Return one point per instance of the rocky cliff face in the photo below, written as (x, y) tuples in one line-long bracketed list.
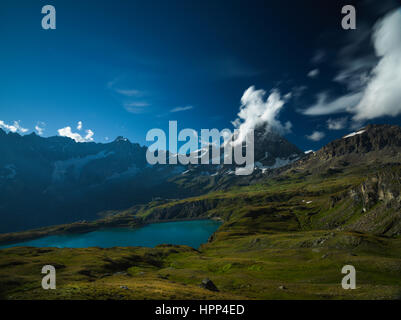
[(369, 139), (384, 187), (379, 199), (372, 145)]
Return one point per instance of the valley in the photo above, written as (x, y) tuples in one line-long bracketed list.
[(286, 234)]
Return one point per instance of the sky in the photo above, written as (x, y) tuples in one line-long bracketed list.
[(122, 68)]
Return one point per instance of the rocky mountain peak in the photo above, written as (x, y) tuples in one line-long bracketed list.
[(273, 150), (121, 139)]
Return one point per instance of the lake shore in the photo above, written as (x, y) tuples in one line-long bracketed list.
[(81, 227)]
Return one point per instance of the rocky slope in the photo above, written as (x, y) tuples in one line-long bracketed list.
[(353, 183), (373, 144)]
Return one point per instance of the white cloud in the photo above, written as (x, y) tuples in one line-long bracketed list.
[(288, 96), (15, 127), (255, 111), (136, 104), (39, 128), (89, 135), (19, 128), (179, 109), (355, 74), (129, 92), (7, 127), (136, 107), (79, 125), (313, 73), (316, 136), (337, 124), (66, 132), (382, 95), (325, 106), (375, 94), (125, 92)]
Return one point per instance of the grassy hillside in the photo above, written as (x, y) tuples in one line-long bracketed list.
[(285, 265), (286, 237)]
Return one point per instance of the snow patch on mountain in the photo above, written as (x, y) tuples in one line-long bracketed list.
[(62, 167), (353, 134), (279, 162)]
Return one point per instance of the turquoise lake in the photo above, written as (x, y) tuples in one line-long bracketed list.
[(191, 233)]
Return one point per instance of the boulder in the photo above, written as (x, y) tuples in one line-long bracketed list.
[(209, 285)]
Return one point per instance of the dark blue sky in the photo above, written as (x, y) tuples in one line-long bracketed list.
[(125, 67)]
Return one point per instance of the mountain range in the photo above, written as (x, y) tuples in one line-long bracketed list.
[(62, 181)]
